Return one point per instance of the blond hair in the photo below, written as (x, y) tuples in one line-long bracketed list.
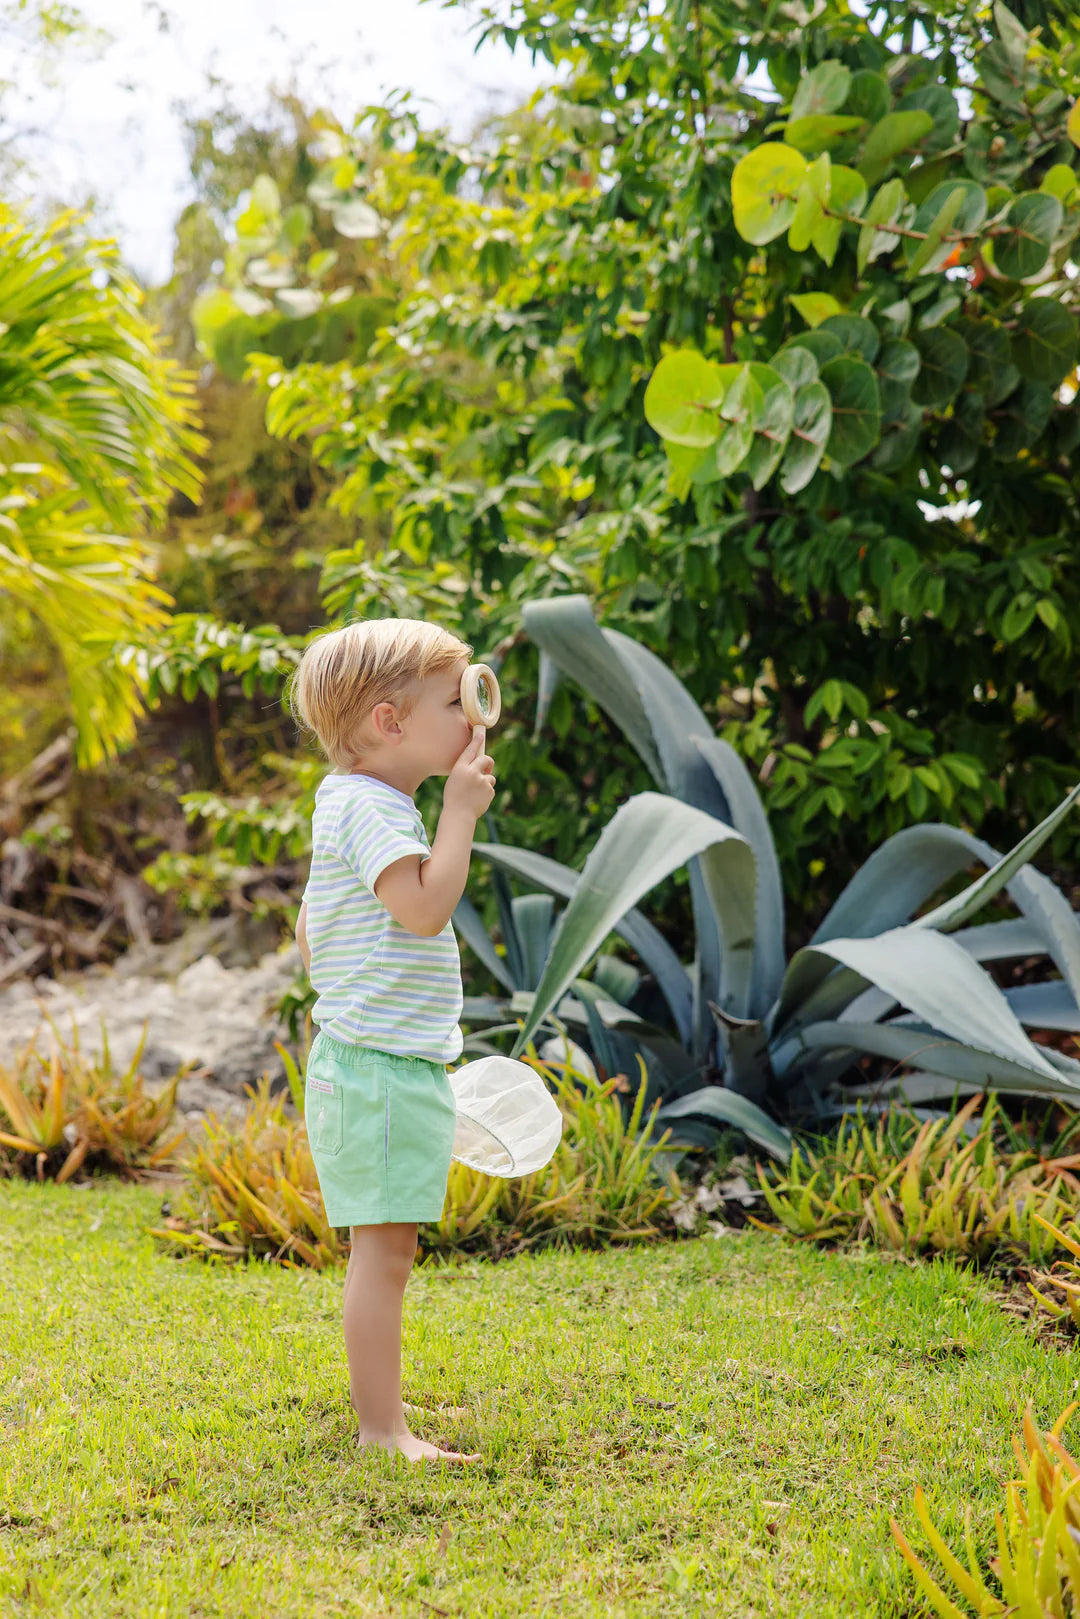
[(344, 674)]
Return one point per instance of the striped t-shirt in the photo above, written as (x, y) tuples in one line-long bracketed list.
[(378, 984)]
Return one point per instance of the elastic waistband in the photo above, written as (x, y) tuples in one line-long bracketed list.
[(355, 1056)]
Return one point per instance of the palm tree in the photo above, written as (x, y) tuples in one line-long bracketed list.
[(96, 432)]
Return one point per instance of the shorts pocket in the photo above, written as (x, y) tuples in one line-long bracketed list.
[(323, 1113)]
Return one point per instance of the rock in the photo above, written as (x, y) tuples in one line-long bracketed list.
[(220, 1018), (235, 940)]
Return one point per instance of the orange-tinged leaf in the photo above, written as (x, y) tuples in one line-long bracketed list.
[(18, 1142), (73, 1161), (939, 1601), (971, 1587), (1067, 1242)]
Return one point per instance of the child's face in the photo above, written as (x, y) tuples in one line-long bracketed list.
[(436, 731)]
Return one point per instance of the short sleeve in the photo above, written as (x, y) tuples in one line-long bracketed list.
[(369, 839)]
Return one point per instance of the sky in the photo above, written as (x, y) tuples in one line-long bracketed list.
[(110, 125)]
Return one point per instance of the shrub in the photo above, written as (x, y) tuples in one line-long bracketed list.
[(252, 1192), (751, 1037), (1063, 1277), (600, 1187), (65, 1112), (919, 1186)]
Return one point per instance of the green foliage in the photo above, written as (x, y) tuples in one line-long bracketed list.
[(284, 292), (908, 233), (254, 829), (95, 435), (195, 652), (925, 1186), (251, 1190), (860, 365), (1058, 1292)]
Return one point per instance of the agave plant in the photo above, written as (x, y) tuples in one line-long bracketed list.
[(771, 1038), (596, 1008)]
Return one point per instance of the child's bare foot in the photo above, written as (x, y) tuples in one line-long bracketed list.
[(416, 1450)]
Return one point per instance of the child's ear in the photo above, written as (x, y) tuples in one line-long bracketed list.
[(385, 722)]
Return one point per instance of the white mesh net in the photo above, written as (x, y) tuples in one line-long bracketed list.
[(508, 1122)]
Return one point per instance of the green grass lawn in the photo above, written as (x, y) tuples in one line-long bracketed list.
[(718, 1427)]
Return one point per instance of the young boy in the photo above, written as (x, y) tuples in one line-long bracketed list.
[(375, 934)]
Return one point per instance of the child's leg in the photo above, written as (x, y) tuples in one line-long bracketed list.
[(379, 1267)]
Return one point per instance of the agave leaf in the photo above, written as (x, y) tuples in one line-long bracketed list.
[(846, 995), (870, 1006), (914, 1086), (467, 921), (658, 715), (748, 817), (613, 1053), (647, 839), (881, 1104), (1045, 1006), (617, 1016), (476, 1008), (937, 1054), (637, 930), (678, 727), (814, 990), (564, 628), (677, 722), (1044, 906), (504, 901), (909, 867), (546, 687), (674, 1064), (998, 941), (939, 982), (533, 921), (617, 978), (897, 878), (1067, 1066), (716, 1102)]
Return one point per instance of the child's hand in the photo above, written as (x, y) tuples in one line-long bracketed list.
[(470, 786)]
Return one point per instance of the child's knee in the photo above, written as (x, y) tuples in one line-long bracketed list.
[(390, 1249)]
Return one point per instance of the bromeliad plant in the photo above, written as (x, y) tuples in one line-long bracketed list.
[(1037, 1567), (927, 1186), (251, 1192), (604, 1185), (67, 1113), (772, 1038)]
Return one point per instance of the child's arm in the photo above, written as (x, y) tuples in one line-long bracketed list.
[(301, 937), (421, 894)]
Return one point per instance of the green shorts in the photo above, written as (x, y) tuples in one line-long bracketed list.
[(381, 1130)]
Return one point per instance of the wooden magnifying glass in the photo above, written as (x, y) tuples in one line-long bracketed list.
[(481, 700)]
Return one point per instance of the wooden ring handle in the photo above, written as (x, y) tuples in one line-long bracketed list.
[(481, 700)]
